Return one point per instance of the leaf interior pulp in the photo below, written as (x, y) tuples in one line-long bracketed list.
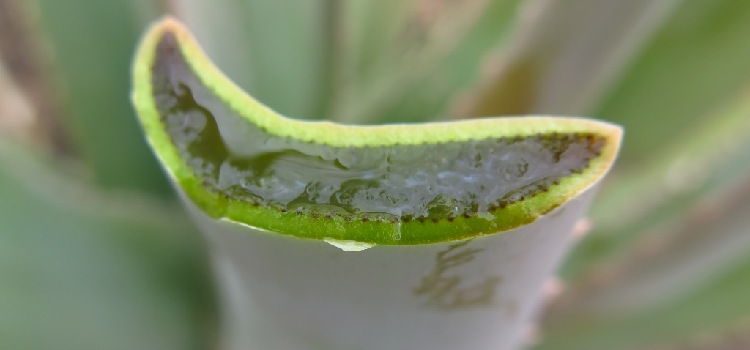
[(399, 184)]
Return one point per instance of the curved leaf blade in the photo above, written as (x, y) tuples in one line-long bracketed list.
[(198, 122)]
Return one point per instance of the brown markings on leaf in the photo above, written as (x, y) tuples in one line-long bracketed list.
[(446, 290)]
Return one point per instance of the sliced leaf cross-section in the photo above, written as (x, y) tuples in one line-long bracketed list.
[(390, 184)]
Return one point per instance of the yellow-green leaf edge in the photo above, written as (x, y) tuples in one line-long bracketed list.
[(372, 232)]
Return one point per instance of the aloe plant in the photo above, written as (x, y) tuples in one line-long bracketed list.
[(95, 253)]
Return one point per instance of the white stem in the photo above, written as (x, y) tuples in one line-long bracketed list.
[(281, 292)]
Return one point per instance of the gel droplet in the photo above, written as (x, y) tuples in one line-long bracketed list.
[(348, 245)]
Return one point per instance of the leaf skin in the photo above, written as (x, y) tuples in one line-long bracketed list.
[(226, 207)]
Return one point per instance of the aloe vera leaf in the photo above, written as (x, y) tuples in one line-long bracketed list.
[(92, 57), (692, 167), (285, 63), (222, 27), (436, 53), (563, 56), (683, 254), (373, 34), (16, 113), (31, 107), (717, 309), (195, 117), (670, 40), (684, 236), (87, 271), (687, 70), (284, 292), (175, 83)]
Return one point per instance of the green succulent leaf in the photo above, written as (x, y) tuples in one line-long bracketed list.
[(559, 61), (688, 68), (702, 317), (407, 60), (397, 184), (82, 270), (668, 271), (96, 112)]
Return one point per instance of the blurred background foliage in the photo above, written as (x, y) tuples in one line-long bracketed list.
[(95, 253)]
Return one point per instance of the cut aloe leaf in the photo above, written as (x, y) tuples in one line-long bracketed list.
[(398, 184), (327, 236)]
